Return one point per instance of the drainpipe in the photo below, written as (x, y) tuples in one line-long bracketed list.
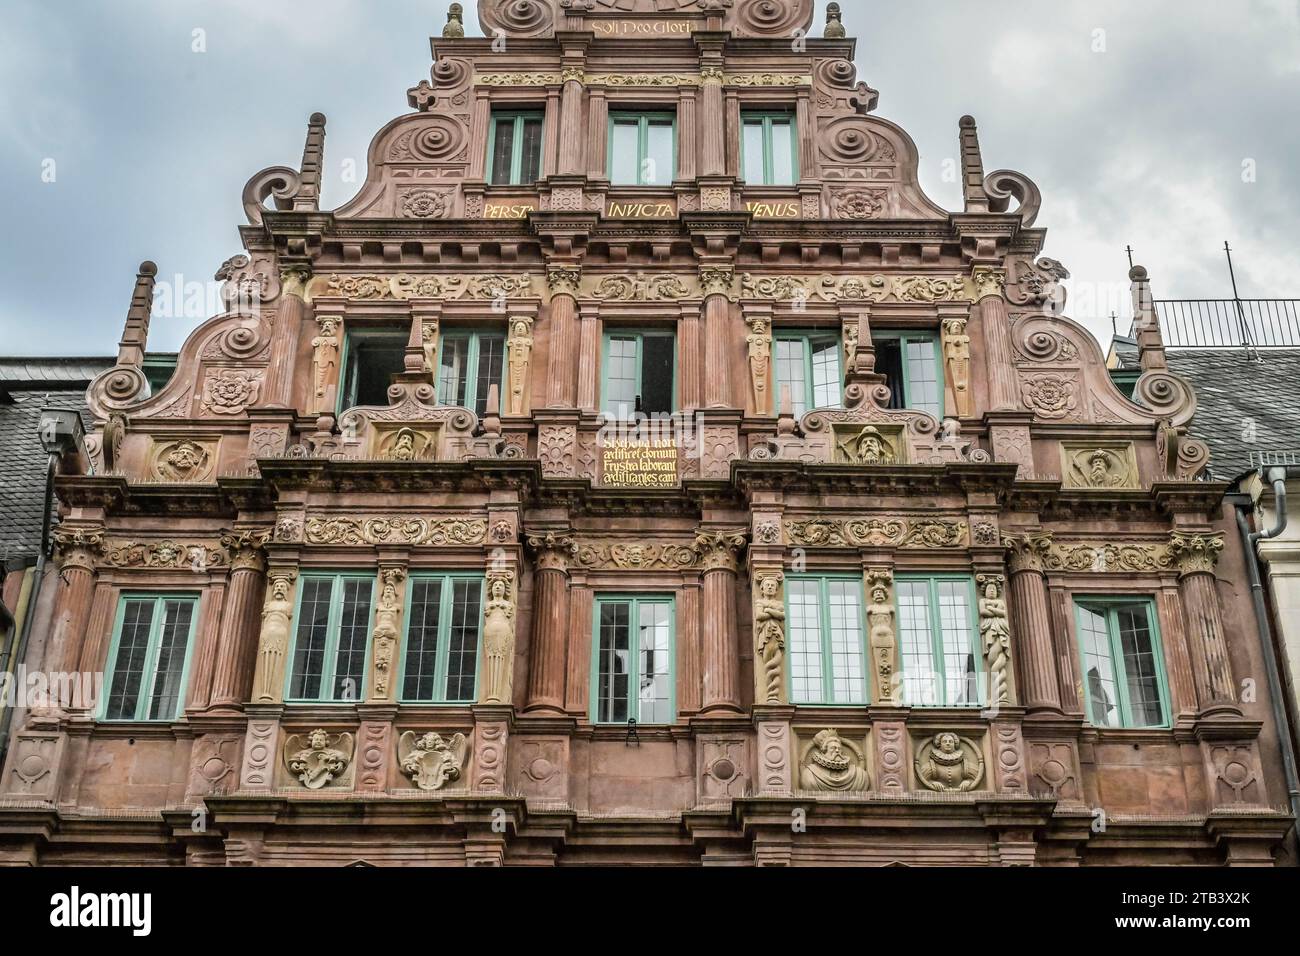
[(1249, 539), (30, 615)]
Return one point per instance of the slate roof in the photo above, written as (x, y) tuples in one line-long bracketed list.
[(1244, 405), (27, 386)]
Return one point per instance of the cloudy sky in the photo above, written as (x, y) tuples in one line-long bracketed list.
[(1170, 125)]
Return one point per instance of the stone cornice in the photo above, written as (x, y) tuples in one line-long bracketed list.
[(751, 476), (322, 474)]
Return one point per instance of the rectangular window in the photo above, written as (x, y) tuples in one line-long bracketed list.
[(515, 148), (910, 363), (370, 359), (444, 618), (808, 363), (768, 150), (469, 363), (632, 667), (149, 657), (827, 652), (639, 373), (331, 638), (938, 636), (1123, 668), (642, 149)]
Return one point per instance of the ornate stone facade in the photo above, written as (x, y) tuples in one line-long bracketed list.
[(440, 599)]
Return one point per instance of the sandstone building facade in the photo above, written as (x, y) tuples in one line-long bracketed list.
[(640, 468)]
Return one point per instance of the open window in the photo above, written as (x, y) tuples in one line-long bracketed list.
[(371, 358), (912, 369), (639, 373)]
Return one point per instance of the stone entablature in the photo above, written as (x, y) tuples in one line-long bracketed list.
[(1031, 479)]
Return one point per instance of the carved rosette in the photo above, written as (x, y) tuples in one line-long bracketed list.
[(1027, 552), (78, 547), (769, 636), (1195, 553), (563, 280), (553, 551), (995, 633), (989, 282), (719, 550)]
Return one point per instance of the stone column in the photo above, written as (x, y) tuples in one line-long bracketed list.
[(1196, 555), (75, 551), (989, 286), (721, 659), (563, 281), (547, 658), (275, 637), (588, 358), (236, 646), (597, 131), (688, 125), (713, 116), (717, 282), (284, 337), (1033, 630), (571, 143)]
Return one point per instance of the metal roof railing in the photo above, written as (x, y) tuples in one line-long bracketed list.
[(1229, 323)]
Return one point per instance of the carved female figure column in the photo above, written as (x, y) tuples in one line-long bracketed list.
[(956, 357), (235, 650), (995, 635), (325, 366), (769, 636), (498, 638), (519, 347), (881, 636), (273, 642), (760, 362), (1196, 556), (547, 658), (1033, 623), (387, 634), (719, 551)]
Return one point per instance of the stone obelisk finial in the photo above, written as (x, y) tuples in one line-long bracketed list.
[(834, 23), (135, 334), (1151, 344), (972, 168), (455, 21), (313, 161)]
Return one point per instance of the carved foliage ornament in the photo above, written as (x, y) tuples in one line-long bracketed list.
[(402, 286), (318, 758), (877, 532), (396, 530), (858, 288)]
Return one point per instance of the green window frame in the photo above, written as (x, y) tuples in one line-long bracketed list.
[(390, 339), (444, 610), (525, 147), (769, 162), (616, 376), (331, 646), (148, 673), (1135, 692), (459, 352), (816, 381), (827, 660), (618, 673), (921, 363), (645, 122), (940, 658)]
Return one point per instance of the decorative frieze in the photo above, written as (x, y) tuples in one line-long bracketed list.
[(877, 287), (921, 533), (638, 557), (659, 287), (397, 529), (165, 554), (446, 286), (430, 760), (707, 75)]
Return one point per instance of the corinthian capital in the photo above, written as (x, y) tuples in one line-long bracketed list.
[(247, 548), (989, 281), (563, 280), (553, 551), (1195, 553), (78, 547), (717, 280), (719, 550), (1026, 552)]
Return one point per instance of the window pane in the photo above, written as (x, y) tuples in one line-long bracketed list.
[(804, 600), (826, 373), (753, 150), (790, 372), (614, 661), (848, 674), (1139, 665), (620, 377), (313, 631), (354, 628), (654, 705), (1098, 668), (491, 357), (889, 363), (452, 363), (626, 160), (463, 639), (923, 378), (920, 680), (165, 699), (961, 662), (503, 151), (657, 169), (422, 639), (782, 153), (531, 160), (656, 374), (132, 650)]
